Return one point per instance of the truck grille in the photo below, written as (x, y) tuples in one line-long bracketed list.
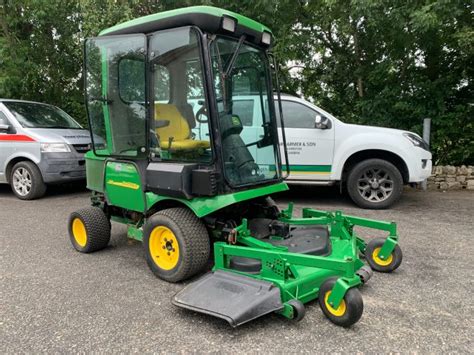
[(82, 148)]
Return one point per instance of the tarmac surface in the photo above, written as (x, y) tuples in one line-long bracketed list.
[(54, 299)]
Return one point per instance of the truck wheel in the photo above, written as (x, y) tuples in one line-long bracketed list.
[(26, 181), (176, 244), (374, 184), (89, 229)]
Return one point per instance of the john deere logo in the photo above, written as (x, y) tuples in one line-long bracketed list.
[(235, 121)]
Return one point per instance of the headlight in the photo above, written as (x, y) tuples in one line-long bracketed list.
[(228, 24), (417, 141), (54, 148), (266, 38)]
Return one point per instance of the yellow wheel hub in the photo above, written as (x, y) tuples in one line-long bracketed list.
[(381, 262), (164, 248), (79, 232), (339, 311)]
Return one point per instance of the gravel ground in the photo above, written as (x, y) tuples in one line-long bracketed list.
[(53, 299)]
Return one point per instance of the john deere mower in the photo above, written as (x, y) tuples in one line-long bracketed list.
[(177, 158)]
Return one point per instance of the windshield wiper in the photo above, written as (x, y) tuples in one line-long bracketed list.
[(230, 66)]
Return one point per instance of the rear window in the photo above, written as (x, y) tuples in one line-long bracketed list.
[(33, 115)]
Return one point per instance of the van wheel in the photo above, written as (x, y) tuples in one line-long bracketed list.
[(26, 181), (374, 184)]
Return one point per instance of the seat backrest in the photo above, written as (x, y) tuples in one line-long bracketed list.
[(178, 127)]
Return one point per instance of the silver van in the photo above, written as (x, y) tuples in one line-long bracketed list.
[(39, 145)]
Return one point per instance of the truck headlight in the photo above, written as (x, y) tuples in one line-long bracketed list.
[(55, 148), (417, 141)]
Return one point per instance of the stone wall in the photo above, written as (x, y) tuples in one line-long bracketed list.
[(452, 178)]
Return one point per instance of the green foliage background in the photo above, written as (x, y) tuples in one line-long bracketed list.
[(381, 62)]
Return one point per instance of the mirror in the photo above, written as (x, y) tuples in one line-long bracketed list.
[(4, 127), (321, 122)]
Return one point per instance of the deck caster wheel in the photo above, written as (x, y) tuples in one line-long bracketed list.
[(299, 310), (376, 263), (89, 229), (350, 309), (176, 244), (365, 273)]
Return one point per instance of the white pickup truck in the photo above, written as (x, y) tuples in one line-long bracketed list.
[(373, 163)]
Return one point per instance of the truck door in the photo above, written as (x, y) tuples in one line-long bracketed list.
[(310, 149)]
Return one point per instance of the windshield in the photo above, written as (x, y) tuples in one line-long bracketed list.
[(247, 129), (34, 115)]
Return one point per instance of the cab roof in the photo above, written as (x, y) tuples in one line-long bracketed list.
[(208, 18)]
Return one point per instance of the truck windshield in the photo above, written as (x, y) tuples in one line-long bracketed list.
[(249, 151), (35, 115)]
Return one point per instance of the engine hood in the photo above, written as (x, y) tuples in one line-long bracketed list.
[(355, 128), (60, 135)]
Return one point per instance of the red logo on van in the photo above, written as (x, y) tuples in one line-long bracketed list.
[(16, 138)]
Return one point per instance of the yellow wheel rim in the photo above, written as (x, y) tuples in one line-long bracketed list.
[(79, 232), (378, 261), (164, 248), (339, 311)]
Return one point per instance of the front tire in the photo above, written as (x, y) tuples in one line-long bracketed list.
[(26, 181), (377, 264), (350, 309), (374, 184), (176, 244)]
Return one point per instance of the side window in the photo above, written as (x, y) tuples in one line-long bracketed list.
[(297, 115), (131, 79), (244, 109), (162, 83)]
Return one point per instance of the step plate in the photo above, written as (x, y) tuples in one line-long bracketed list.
[(236, 298)]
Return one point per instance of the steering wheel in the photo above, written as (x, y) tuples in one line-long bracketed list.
[(202, 112)]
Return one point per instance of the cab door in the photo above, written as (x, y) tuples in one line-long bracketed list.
[(310, 147), (116, 105)]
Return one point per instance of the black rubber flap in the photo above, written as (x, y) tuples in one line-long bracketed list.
[(236, 298)]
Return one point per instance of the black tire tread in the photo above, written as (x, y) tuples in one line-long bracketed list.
[(354, 304), (97, 227), (190, 230), (396, 254)]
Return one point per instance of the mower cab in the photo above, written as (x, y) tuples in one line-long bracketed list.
[(175, 159)]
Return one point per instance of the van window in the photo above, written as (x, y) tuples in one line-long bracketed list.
[(297, 115), (244, 109)]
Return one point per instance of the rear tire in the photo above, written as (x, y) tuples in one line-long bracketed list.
[(391, 264), (89, 229), (176, 244), (26, 181), (374, 184)]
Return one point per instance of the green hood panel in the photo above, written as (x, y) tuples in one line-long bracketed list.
[(202, 206)]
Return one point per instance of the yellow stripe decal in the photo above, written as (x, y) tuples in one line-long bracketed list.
[(128, 185)]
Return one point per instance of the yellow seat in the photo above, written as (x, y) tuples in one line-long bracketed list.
[(178, 129)]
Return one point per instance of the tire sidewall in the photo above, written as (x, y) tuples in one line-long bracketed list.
[(162, 220), (352, 298), (37, 184), (396, 254), (357, 170)]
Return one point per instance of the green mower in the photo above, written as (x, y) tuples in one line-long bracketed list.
[(175, 159)]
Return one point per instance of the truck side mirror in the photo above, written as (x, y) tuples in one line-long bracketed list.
[(321, 122)]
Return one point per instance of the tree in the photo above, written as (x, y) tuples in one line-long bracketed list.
[(382, 62)]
